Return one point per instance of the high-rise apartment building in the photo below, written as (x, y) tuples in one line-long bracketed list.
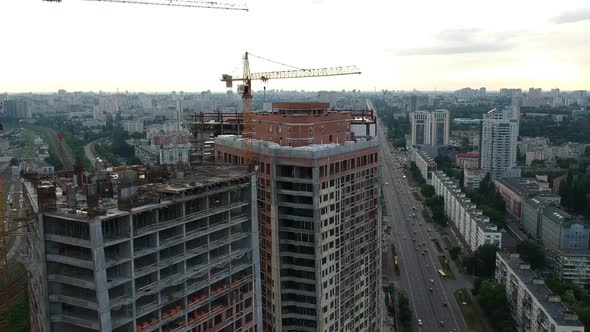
[(163, 252), (17, 109), (499, 136), (420, 127), (440, 127), (319, 216), (430, 128)]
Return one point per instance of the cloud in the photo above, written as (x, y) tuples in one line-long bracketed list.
[(462, 41), (458, 49), (572, 16)]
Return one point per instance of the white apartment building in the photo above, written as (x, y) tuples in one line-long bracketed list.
[(133, 126), (499, 135), (533, 305), (539, 148), (425, 164), (472, 178), (430, 128), (475, 228)]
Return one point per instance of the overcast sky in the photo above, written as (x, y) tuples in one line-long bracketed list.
[(410, 44)]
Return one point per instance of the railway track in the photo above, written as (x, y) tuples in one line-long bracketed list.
[(63, 152)]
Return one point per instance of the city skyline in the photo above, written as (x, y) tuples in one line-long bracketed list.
[(87, 46)]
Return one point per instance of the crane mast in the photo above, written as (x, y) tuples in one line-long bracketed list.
[(245, 89)]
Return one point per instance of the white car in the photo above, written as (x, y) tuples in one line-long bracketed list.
[(420, 322)]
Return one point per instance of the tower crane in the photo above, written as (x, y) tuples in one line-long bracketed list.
[(179, 3), (245, 89)]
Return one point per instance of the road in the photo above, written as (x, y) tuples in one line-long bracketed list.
[(418, 270), (92, 156)]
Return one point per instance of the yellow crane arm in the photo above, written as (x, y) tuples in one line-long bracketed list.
[(297, 73)]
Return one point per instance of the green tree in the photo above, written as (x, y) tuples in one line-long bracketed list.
[(454, 252), (532, 252), (427, 190), (492, 298), (436, 206), (483, 261), (405, 312)]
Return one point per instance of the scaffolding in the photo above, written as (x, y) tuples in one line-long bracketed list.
[(205, 127)]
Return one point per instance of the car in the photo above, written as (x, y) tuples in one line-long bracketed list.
[(420, 322), (430, 289), (444, 304), (432, 281), (427, 265), (386, 182), (442, 323)]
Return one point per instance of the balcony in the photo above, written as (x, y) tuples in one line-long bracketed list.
[(85, 320), (71, 259), (79, 280), (88, 302), (147, 307)]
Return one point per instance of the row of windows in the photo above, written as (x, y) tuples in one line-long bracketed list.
[(345, 165)]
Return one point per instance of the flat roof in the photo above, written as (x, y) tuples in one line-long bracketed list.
[(556, 215), (522, 186), (540, 292)]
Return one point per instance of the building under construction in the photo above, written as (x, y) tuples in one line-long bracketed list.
[(205, 127), (319, 216), (145, 249)]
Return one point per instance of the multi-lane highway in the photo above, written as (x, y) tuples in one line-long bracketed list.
[(431, 297)]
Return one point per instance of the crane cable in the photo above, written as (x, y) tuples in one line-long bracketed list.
[(279, 63)]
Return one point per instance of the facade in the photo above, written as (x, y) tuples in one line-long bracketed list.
[(467, 160), (514, 190), (425, 164), (364, 123), (440, 127), (472, 178), (472, 136), (475, 228), (320, 220), (566, 239), (574, 266), (539, 148), (163, 155), (40, 167), (17, 109), (179, 254), (560, 230), (430, 128), (420, 121), (163, 149), (499, 135), (133, 126), (533, 305)]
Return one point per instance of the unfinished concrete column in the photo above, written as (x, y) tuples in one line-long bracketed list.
[(100, 275)]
